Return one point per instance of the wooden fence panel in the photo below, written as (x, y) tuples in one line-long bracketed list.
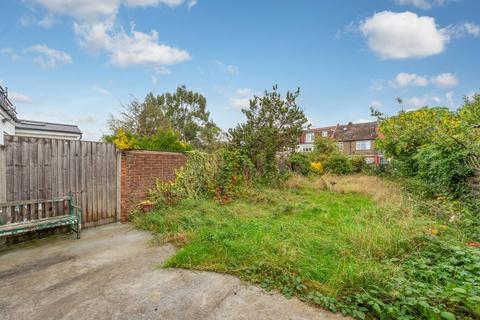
[(474, 180), (41, 168)]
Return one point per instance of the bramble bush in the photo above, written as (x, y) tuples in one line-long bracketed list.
[(222, 175)]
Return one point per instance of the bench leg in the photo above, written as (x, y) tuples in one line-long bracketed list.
[(79, 230), (76, 228)]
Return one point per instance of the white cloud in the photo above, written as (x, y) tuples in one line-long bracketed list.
[(228, 68), (138, 48), (191, 4), (17, 97), (126, 49), (49, 57), (241, 99), (422, 4), (12, 54), (445, 80), (403, 35), (416, 102), (430, 100), (409, 79), (472, 28), (462, 29), (83, 10), (47, 22), (94, 25), (88, 11), (101, 90), (152, 3)]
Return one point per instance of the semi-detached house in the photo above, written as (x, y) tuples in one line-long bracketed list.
[(354, 139)]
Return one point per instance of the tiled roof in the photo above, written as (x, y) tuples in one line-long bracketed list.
[(356, 131), (47, 126), (349, 132)]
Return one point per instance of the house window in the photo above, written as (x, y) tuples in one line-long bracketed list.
[(369, 160), (340, 145), (363, 145), (324, 134), (307, 149), (310, 137)]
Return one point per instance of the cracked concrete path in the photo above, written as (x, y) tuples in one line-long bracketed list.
[(111, 274)]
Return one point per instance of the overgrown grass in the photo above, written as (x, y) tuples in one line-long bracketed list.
[(339, 242)]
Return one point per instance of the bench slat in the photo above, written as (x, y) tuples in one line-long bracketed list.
[(32, 215), (67, 219), (25, 202)]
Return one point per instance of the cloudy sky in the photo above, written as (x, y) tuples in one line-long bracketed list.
[(77, 61)]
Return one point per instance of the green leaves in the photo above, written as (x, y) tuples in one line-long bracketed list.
[(433, 145), (447, 315), (273, 124), (183, 111)]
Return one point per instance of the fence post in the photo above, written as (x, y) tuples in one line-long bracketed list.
[(3, 188), (3, 174), (118, 211)]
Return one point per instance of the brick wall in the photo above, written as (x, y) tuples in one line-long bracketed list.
[(140, 171)]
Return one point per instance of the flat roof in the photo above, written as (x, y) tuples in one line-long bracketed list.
[(47, 126)]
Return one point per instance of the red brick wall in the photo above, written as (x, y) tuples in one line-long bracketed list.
[(140, 171)]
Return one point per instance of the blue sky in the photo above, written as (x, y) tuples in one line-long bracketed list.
[(77, 61)]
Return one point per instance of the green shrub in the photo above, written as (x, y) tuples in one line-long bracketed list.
[(161, 141), (299, 163), (442, 165), (432, 144), (333, 160), (338, 163), (221, 175), (359, 164)]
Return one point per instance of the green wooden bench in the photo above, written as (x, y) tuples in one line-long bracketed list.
[(17, 217)]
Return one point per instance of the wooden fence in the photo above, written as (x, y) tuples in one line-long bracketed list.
[(474, 162), (39, 168)]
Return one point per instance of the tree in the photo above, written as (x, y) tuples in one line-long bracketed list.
[(273, 124), (183, 111)]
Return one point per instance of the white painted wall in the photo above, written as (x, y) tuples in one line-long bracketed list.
[(46, 134), (6, 126)]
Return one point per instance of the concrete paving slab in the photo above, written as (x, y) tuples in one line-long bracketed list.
[(113, 273)]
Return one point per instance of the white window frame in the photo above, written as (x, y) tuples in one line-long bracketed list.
[(324, 134), (363, 145), (310, 137), (340, 145)]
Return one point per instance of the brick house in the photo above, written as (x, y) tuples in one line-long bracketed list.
[(354, 139)]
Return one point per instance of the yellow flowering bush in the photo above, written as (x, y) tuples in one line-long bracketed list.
[(316, 167), (162, 140), (124, 141)]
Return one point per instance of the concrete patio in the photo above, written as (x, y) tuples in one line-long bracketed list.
[(113, 273)]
